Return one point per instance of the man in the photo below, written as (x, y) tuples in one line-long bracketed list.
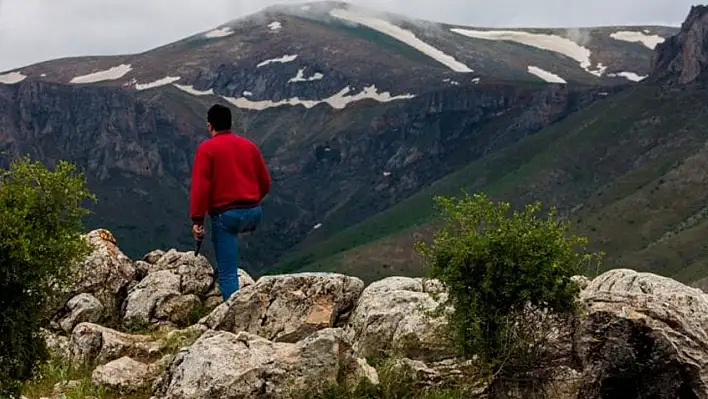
[(229, 181)]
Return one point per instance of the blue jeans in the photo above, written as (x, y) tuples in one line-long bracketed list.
[(225, 228)]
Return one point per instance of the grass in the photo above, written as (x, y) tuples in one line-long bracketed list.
[(624, 170), (59, 372)]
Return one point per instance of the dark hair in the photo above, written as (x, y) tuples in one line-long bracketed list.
[(219, 117)]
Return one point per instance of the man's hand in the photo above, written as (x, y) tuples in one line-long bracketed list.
[(198, 231)]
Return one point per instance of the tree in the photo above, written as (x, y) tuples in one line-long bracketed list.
[(40, 239), (500, 267)]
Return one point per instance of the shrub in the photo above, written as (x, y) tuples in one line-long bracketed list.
[(40, 238), (501, 268)]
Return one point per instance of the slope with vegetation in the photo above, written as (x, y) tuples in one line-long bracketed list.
[(628, 171)]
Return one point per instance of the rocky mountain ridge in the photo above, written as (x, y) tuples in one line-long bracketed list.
[(684, 57), (640, 334)]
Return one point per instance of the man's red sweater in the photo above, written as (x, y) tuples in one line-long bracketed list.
[(229, 172)]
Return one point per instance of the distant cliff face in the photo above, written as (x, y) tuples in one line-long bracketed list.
[(684, 57), (337, 170)]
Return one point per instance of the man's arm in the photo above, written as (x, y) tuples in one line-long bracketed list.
[(200, 187), (264, 180)]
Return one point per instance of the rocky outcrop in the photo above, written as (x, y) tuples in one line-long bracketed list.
[(644, 336), (175, 289), (397, 314), (684, 57), (164, 288), (99, 284), (243, 365), (288, 308), (639, 335)]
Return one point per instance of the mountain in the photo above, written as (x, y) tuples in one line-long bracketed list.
[(629, 171), (358, 113)]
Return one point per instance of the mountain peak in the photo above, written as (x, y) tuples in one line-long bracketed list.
[(685, 56)]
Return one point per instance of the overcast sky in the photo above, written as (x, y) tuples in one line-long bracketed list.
[(38, 30)]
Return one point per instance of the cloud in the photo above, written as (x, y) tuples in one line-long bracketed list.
[(37, 30)]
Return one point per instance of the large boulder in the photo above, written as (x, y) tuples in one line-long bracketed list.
[(288, 308), (225, 365), (643, 336), (105, 274), (396, 313)]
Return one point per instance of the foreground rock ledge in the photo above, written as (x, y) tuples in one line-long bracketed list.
[(226, 365), (644, 336)]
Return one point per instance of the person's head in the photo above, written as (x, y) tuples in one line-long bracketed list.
[(218, 119)]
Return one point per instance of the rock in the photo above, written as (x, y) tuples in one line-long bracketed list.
[(359, 370), (142, 300), (82, 308), (59, 346), (176, 289), (94, 343), (142, 269), (105, 274), (643, 336), (179, 310), (391, 315), (225, 365), (449, 371), (244, 279), (153, 257), (125, 375), (288, 308), (196, 273), (684, 56)]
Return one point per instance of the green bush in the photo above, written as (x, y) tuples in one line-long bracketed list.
[(40, 238), (501, 267)]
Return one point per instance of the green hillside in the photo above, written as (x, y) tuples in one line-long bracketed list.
[(629, 171)]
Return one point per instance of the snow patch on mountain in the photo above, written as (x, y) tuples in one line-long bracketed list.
[(275, 26), (545, 75), (337, 101), (649, 41), (114, 73), (541, 41), (191, 90), (402, 35), (157, 83), (284, 59), (300, 77), (12, 78), (219, 32), (629, 76)]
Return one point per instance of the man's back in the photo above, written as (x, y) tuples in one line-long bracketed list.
[(229, 172)]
